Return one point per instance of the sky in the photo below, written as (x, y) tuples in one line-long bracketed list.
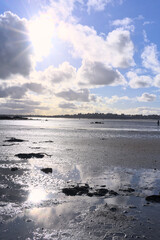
[(79, 56)]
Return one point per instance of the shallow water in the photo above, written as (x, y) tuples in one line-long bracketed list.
[(117, 154)]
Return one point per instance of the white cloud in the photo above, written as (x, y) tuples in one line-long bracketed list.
[(115, 99), (121, 48), (147, 97), (145, 36), (100, 5), (136, 81), (142, 110), (65, 72), (122, 22), (61, 10), (157, 81), (89, 74), (15, 50), (148, 22), (117, 50), (150, 58), (96, 73), (132, 111)]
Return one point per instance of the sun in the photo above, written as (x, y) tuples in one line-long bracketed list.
[(41, 31)]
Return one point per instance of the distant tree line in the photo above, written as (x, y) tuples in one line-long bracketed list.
[(13, 117), (108, 116), (82, 115)]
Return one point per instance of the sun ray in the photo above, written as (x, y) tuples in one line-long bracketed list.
[(22, 52), (17, 30), (39, 37)]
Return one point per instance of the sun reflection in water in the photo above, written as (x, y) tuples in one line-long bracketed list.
[(37, 195)]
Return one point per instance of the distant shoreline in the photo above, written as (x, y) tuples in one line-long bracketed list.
[(83, 116)]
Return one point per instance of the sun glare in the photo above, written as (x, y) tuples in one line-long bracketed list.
[(41, 33), (37, 195)]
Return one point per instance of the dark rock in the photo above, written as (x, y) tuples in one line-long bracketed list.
[(132, 207), (69, 191), (101, 192), (111, 192), (14, 169), (34, 147), (30, 155), (86, 185), (82, 189), (28, 220), (90, 194), (153, 198), (76, 190), (113, 209), (46, 170), (97, 122), (14, 140), (127, 190), (8, 145)]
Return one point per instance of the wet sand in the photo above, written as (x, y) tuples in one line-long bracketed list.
[(33, 204)]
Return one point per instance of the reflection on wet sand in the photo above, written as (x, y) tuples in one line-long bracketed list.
[(48, 208), (37, 195)]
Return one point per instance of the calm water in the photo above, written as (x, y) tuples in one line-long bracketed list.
[(116, 153), (83, 128), (70, 124)]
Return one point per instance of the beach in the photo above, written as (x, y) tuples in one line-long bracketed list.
[(76, 179)]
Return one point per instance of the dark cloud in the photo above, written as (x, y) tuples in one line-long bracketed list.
[(67, 105), (18, 92), (96, 73), (82, 95), (35, 87), (13, 92), (21, 107), (28, 102), (59, 76), (147, 97), (15, 47)]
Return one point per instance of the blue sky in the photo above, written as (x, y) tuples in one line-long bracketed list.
[(71, 56)]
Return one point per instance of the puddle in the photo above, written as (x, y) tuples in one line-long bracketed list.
[(39, 207)]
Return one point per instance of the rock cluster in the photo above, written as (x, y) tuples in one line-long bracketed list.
[(87, 190)]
